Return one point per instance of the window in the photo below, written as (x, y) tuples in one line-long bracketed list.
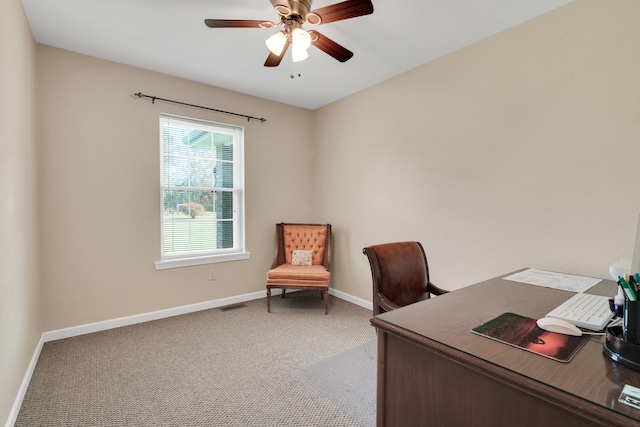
[(202, 194)]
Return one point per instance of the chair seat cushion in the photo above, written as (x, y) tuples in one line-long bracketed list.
[(289, 274)]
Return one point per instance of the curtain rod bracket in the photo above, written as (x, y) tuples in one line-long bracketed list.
[(153, 101)]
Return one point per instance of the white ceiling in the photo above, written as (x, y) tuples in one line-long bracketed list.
[(169, 36)]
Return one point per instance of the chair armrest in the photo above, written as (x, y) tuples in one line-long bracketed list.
[(386, 303), (433, 289)]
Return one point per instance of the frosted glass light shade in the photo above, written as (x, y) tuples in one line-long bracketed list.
[(276, 42), (301, 37), (298, 53)]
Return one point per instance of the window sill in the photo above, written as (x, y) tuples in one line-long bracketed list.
[(211, 259)]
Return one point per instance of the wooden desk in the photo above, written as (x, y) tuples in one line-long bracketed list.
[(432, 371)]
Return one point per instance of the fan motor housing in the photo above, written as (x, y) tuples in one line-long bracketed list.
[(298, 7)]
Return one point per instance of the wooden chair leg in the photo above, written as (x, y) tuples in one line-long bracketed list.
[(268, 300), (326, 302)]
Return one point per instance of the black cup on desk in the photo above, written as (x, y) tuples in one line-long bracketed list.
[(622, 343), (631, 325)]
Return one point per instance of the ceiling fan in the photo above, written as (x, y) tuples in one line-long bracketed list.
[(293, 14)]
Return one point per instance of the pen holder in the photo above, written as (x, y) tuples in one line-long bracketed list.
[(631, 322), (619, 350), (622, 343)]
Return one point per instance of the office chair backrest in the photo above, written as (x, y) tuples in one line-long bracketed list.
[(400, 275)]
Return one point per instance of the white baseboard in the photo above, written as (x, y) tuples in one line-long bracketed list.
[(147, 317), (13, 414), (141, 318), (353, 300)]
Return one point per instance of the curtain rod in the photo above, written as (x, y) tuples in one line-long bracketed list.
[(155, 98)]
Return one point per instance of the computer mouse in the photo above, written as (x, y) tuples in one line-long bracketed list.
[(560, 326)]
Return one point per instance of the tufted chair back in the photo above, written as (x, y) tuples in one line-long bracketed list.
[(305, 237), (313, 237)]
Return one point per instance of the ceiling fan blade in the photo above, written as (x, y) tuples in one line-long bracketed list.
[(344, 10), (274, 60), (283, 3), (330, 47), (234, 23)]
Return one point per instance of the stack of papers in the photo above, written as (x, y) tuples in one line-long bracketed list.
[(549, 279)]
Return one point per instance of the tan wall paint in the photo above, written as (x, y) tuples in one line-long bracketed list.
[(100, 197), (522, 150), (20, 327)]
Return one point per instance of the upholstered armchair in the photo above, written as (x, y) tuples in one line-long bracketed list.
[(302, 260), (400, 275)]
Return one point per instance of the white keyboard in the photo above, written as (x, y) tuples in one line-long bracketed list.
[(585, 311)]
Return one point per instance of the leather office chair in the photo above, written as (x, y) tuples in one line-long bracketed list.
[(302, 260), (400, 275)]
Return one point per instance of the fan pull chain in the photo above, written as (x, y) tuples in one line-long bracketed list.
[(295, 67)]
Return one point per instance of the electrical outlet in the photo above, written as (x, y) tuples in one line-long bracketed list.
[(212, 275)]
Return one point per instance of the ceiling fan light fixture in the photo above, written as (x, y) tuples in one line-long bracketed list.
[(293, 14), (298, 53), (276, 42), (301, 38)]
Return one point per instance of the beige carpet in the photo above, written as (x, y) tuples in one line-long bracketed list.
[(235, 367), (346, 379)]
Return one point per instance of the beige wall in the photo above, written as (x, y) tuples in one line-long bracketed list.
[(522, 150), (20, 327), (99, 188)]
